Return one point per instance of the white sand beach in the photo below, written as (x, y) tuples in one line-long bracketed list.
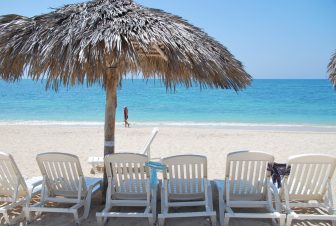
[(24, 142)]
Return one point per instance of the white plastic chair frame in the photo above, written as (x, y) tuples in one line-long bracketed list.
[(99, 161), (64, 182), (14, 190), (185, 183), (248, 185), (128, 185), (309, 186), (146, 147)]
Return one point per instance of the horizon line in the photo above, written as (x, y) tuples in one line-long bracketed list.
[(265, 78)]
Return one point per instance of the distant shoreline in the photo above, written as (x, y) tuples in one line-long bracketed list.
[(220, 125)]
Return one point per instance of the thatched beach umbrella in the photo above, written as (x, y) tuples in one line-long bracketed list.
[(332, 70), (103, 40)]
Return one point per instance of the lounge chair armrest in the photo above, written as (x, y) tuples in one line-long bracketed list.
[(209, 187), (274, 189), (275, 193), (329, 194), (220, 185), (163, 184), (209, 183), (220, 188)]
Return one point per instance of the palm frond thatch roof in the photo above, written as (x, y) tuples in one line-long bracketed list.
[(79, 42), (332, 70)]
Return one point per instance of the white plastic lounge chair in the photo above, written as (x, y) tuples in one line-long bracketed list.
[(248, 185), (128, 185), (99, 161), (64, 182), (185, 184), (14, 190), (309, 186)]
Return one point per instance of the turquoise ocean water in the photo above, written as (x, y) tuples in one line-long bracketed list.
[(299, 102)]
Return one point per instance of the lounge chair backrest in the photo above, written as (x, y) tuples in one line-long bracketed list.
[(63, 174), (185, 173), (11, 178), (128, 171), (146, 147), (309, 175), (247, 173)]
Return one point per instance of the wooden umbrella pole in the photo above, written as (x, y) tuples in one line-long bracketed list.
[(110, 113)]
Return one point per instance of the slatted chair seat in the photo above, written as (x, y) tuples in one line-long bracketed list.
[(128, 185), (309, 186), (14, 189), (129, 196), (175, 191), (135, 192), (185, 184), (186, 197), (248, 185), (64, 182), (246, 191)]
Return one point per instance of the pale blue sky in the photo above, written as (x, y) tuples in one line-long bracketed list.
[(273, 39)]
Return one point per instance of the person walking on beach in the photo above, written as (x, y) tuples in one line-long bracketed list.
[(126, 117)]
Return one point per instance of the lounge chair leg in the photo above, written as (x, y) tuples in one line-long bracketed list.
[(221, 218), (87, 205), (221, 212), (5, 214), (27, 215), (100, 221), (210, 203), (213, 220), (282, 221), (39, 213), (275, 222), (151, 221), (77, 221), (226, 221), (289, 221), (161, 221)]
